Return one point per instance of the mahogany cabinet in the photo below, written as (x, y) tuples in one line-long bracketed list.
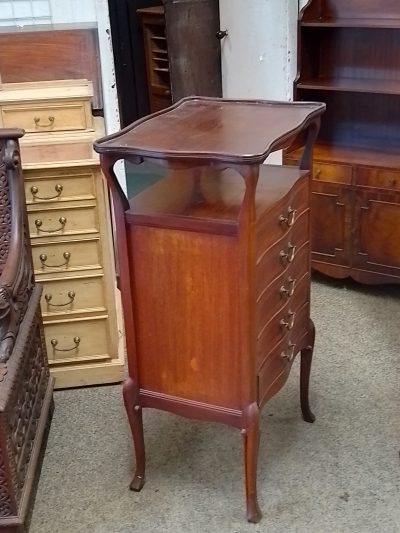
[(348, 58), (214, 262)]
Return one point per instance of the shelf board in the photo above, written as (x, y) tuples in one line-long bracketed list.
[(353, 155), (352, 85), (161, 69), (352, 23)]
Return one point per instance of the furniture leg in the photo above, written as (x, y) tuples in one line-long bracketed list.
[(305, 370), (134, 412), (251, 438)]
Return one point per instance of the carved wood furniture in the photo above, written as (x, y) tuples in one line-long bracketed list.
[(25, 383), (70, 228), (214, 264), (348, 58)]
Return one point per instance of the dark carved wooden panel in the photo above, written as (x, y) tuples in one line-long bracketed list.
[(25, 383)]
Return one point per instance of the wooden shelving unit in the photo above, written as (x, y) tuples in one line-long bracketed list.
[(348, 58)]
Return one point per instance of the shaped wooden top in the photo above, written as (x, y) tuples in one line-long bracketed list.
[(236, 131)]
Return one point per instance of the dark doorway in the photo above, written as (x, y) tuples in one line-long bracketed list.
[(129, 58)]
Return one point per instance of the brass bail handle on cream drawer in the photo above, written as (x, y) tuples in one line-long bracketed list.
[(54, 343), (43, 259), (34, 190), (39, 223), (48, 297), (288, 322), (287, 291), (48, 124), (288, 255), (288, 355), (289, 218)]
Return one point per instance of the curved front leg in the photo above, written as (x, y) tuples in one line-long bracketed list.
[(134, 412), (305, 370), (251, 439)]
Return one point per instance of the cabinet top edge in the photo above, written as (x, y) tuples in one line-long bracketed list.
[(202, 128)]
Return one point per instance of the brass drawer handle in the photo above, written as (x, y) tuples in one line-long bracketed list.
[(288, 255), (39, 222), (287, 292), (288, 322), (289, 218), (54, 343), (288, 355), (50, 123), (34, 190), (317, 174), (43, 259), (49, 297)]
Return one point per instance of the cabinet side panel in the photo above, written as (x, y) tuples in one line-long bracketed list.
[(186, 314)]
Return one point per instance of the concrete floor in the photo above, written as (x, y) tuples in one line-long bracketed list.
[(339, 475)]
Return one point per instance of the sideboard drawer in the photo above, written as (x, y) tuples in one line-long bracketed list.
[(72, 295), (63, 221), (38, 118), (65, 256), (77, 340), (332, 173), (381, 178)]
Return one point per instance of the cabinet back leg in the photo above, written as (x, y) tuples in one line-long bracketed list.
[(305, 370), (251, 439), (134, 412)]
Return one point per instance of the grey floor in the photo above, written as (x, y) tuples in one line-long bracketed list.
[(341, 474)]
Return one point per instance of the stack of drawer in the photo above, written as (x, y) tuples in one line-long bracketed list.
[(69, 227), (282, 279)]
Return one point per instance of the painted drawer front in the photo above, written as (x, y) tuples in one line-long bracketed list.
[(77, 340), (72, 295), (63, 221), (66, 256), (46, 117), (42, 188)]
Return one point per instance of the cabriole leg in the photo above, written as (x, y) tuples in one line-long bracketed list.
[(251, 439), (305, 370), (134, 412)]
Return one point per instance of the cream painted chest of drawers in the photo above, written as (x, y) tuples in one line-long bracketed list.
[(70, 229)]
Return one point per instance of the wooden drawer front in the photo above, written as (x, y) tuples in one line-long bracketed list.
[(38, 118), (282, 323), (65, 221), (278, 257), (75, 341), (276, 365), (44, 189), (278, 222), (332, 173), (283, 289), (378, 177), (66, 256), (69, 296)]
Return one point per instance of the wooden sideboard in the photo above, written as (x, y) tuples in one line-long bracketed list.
[(215, 264), (347, 58), (70, 229)]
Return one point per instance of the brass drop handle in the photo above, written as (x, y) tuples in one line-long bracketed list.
[(288, 355), (43, 259), (288, 255), (54, 343), (39, 222), (317, 174), (49, 297), (34, 190), (50, 123), (288, 291), (288, 322), (289, 218)]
